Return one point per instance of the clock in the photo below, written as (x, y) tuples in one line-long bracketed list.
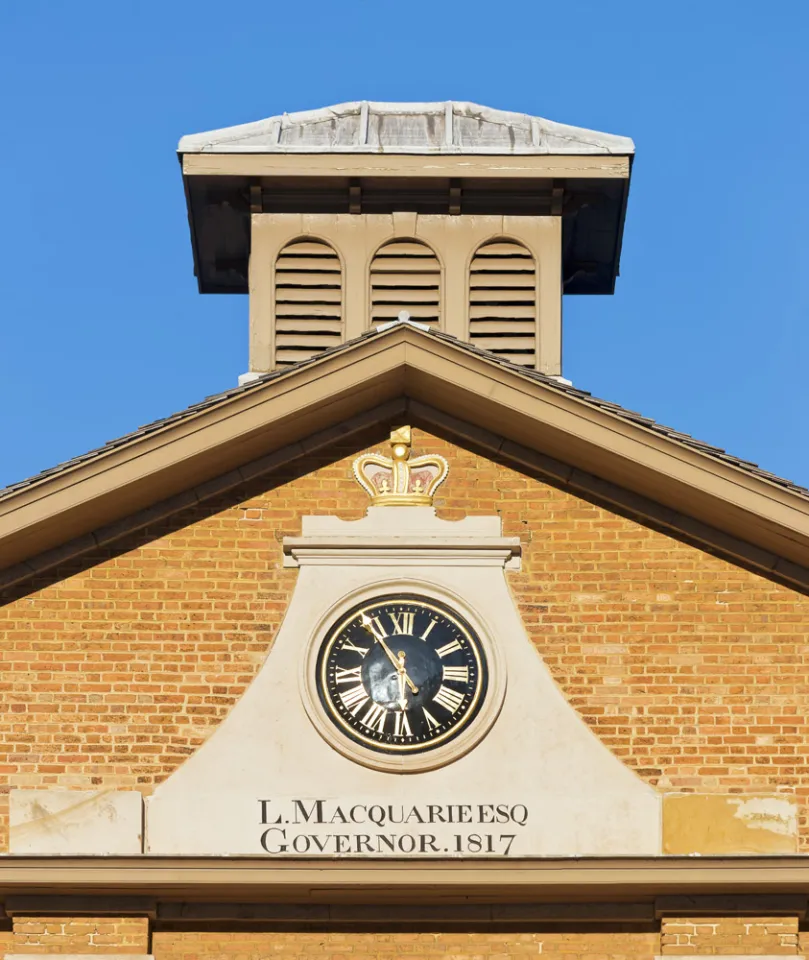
[(401, 674)]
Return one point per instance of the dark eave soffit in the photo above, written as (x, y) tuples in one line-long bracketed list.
[(219, 209)]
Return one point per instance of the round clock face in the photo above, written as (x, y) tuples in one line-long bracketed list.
[(401, 674)]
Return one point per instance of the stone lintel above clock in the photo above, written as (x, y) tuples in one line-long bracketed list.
[(403, 535)]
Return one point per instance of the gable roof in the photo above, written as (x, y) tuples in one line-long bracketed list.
[(365, 126), (588, 444), (553, 383)]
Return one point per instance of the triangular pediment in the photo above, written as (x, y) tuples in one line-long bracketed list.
[(588, 446), (230, 547)]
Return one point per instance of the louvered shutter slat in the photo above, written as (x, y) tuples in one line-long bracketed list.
[(299, 340), (506, 248), (502, 264), (502, 295), (383, 280), (399, 264), (502, 327), (307, 310), (404, 295), (384, 312), (406, 248), (312, 278), (303, 247), (318, 264), (500, 344), (291, 325), (514, 281), (287, 294), (507, 311), (308, 301), (502, 302)]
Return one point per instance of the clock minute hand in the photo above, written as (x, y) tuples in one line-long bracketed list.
[(365, 620)]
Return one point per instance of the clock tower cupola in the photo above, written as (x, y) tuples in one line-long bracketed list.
[(464, 219)]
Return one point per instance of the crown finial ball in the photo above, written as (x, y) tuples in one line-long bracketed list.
[(399, 451)]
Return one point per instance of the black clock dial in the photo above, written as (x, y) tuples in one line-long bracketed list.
[(401, 674)]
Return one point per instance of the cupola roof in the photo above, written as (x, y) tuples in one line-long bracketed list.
[(365, 126)]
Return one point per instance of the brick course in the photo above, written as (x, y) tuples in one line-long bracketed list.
[(693, 671)]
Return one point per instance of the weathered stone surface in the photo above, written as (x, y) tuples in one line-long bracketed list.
[(728, 824), (73, 822)]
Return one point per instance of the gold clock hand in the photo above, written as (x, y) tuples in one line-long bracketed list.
[(402, 697), (365, 620), (403, 673), (367, 623)]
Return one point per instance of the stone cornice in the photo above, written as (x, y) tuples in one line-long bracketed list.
[(251, 879)]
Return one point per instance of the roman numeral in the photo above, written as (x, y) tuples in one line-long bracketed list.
[(448, 648), (347, 645), (342, 675), (430, 626), (402, 725), (355, 697), (373, 626), (449, 699), (431, 721), (402, 622), (375, 718), (459, 674)]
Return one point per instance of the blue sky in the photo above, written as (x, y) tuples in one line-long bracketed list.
[(101, 327)]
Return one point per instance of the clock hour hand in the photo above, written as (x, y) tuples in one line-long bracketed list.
[(402, 697), (400, 666), (365, 620)]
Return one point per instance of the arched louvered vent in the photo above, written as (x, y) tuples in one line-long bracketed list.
[(502, 302), (406, 275), (308, 301)]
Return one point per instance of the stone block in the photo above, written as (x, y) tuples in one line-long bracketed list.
[(76, 822), (722, 824)]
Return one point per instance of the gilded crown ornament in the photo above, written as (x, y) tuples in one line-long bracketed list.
[(398, 480)]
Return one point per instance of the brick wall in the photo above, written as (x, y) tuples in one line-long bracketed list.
[(730, 936), (403, 946), (694, 672), (705, 936), (81, 935)]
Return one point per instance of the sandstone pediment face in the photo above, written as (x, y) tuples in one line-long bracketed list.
[(515, 789), (422, 718)]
